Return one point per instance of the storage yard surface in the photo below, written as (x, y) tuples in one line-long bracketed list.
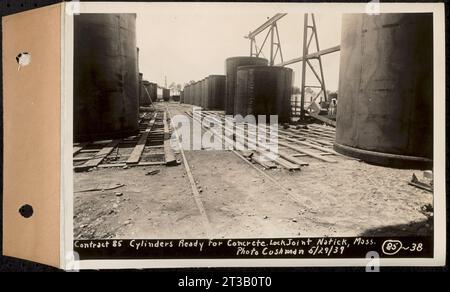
[(346, 198)]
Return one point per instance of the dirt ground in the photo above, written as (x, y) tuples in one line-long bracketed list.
[(348, 198)]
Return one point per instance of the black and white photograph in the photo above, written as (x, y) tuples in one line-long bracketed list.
[(231, 130)]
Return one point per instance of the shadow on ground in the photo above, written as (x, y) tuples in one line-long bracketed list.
[(421, 228)]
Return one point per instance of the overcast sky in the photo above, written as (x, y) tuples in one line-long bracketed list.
[(193, 42)]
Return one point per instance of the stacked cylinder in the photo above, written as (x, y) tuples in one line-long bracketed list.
[(106, 98), (385, 111)]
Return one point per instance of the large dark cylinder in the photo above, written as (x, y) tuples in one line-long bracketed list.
[(191, 94), (152, 89), (201, 92), (186, 94), (385, 100), (166, 94), (144, 99), (141, 89), (262, 90), (138, 84), (106, 98), (204, 102), (197, 93), (216, 92), (231, 65), (182, 96)]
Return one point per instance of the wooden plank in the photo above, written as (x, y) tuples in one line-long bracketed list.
[(421, 186), (318, 147), (90, 150), (81, 158), (98, 158), (323, 119), (78, 148), (315, 155), (264, 163), (108, 165), (155, 154), (312, 154), (294, 160), (287, 164), (102, 142), (306, 144), (323, 142), (250, 155), (135, 155), (307, 152), (303, 151), (148, 163), (232, 143), (284, 160), (331, 130), (299, 155), (311, 132)]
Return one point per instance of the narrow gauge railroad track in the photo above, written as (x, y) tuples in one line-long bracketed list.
[(148, 147), (230, 145), (194, 188)]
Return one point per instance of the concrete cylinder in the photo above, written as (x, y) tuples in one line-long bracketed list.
[(204, 102), (166, 94), (106, 98), (231, 65), (144, 99), (385, 99), (197, 93), (216, 92), (263, 90)]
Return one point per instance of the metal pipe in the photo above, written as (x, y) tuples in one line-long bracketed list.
[(271, 46), (305, 53), (320, 60), (265, 25), (311, 56)]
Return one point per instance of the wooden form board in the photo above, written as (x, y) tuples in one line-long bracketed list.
[(32, 135)]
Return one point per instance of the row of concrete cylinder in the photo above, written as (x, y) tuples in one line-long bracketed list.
[(208, 93), (148, 91), (385, 101), (385, 112), (250, 87), (108, 88), (106, 76)]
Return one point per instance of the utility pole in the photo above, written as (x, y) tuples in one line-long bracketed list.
[(310, 33), (305, 53)]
